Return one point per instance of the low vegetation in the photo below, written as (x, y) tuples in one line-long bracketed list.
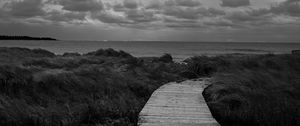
[(252, 90), (108, 87), (105, 87)]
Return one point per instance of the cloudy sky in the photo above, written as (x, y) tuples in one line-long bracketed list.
[(175, 20)]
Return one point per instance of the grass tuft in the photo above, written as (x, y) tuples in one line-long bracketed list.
[(260, 90), (105, 87)]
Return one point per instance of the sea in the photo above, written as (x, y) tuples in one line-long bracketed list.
[(179, 50)]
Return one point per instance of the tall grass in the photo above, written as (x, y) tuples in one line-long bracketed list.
[(103, 88), (252, 90), (108, 87)]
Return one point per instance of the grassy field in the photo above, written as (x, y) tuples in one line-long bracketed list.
[(108, 87), (252, 90), (105, 87)]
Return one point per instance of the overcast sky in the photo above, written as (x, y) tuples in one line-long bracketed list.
[(180, 20)]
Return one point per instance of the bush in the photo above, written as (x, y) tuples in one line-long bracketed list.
[(110, 53), (200, 66), (71, 54), (79, 91), (62, 62), (12, 79), (259, 90), (167, 58), (43, 52), (21, 53)]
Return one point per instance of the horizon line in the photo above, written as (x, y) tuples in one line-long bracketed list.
[(297, 42)]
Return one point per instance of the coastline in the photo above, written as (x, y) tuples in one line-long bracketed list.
[(4, 37), (139, 49)]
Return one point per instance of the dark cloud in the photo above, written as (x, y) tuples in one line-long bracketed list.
[(81, 5), (186, 3), (23, 11), (220, 23), (250, 18), (57, 16), (119, 7), (131, 18), (142, 14), (155, 4), (242, 16), (170, 3), (26, 8), (179, 12), (192, 13), (210, 12), (266, 16), (290, 7), (291, 1), (131, 14), (241, 19), (235, 3), (172, 22), (125, 6), (131, 4), (184, 25), (139, 16), (107, 17), (3, 14)]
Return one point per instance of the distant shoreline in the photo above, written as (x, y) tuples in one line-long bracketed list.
[(4, 37)]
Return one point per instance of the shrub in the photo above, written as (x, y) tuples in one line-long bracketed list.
[(62, 62), (110, 53), (24, 52), (43, 52), (71, 54), (259, 90), (84, 90), (12, 79), (167, 58), (204, 66)]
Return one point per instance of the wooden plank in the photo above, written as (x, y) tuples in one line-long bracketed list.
[(178, 104)]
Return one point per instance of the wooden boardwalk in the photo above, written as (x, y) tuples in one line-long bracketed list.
[(178, 104)]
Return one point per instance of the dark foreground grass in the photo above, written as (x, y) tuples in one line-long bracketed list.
[(105, 87), (108, 87), (253, 90)]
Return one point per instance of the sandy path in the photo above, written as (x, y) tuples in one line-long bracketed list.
[(178, 104)]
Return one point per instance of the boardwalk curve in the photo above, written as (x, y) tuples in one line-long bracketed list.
[(178, 104)]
